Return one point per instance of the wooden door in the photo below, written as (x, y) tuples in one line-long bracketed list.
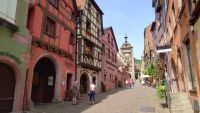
[(7, 86)]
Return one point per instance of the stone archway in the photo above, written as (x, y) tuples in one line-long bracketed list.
[(16, 91), (44, 80), (7, 85), (84, 83)]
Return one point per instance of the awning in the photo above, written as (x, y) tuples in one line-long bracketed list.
[(145, 76), (163, 48)]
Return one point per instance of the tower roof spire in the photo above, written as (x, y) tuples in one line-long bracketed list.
[(126, 38), (126, 43)]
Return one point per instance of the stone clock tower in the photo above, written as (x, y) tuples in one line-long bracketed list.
[(128, 53)]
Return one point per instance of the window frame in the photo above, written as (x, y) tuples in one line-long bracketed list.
[(190, 66), (105, 77), (88, 25), (108, 53), (71, 39), (47, 20)]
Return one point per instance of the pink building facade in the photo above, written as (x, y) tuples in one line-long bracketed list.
[(51, 70), (110, 76)]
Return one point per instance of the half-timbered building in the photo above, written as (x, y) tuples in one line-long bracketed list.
[(89, 32), (52, 24)]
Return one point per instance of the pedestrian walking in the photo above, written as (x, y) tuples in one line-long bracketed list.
[(92, 93), (143, 83), (75, 92), (133, 83), (129, 83)]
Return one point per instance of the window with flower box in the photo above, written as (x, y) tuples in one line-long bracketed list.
[(88, 48)]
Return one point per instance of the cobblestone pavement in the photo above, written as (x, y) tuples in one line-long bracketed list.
[(135, 100)]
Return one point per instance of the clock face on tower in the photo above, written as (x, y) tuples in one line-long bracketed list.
[(126, 55)]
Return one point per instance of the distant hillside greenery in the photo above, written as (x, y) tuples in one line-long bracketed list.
[(137, 61)]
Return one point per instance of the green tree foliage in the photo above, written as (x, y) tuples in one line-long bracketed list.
[(150, 70), (161, 91)]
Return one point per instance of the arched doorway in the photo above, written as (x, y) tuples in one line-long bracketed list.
[(7, 85), (43, 84), (136, 76), (84, 83)]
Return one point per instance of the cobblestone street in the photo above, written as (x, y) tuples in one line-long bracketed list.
[(136, 100)]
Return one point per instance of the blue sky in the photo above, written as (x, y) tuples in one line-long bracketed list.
[(128, 17)]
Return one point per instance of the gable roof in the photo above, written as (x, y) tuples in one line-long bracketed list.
[(81, 4), (111, 29), (96, 6)]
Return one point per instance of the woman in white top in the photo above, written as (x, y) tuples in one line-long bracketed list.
[(92, 93)]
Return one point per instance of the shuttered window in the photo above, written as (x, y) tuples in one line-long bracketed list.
[(8, 10), (50, 27)]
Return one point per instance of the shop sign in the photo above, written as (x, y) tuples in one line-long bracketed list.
[(11, 56)]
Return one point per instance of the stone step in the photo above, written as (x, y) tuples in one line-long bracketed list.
[(181, 111), (181, 96), (180, 103), (177, 96), (180, 108), (178, 100)]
